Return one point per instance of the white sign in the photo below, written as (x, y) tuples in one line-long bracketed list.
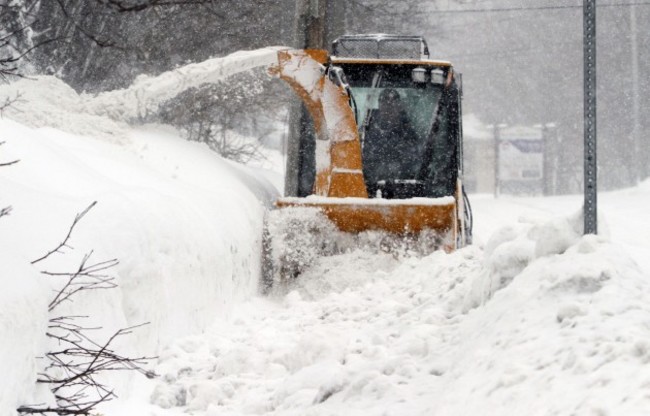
[(521, 154)]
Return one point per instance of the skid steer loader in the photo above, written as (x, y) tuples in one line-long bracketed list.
[(384, 162)]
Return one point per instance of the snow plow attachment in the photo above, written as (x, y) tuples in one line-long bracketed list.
[(400, 217), (384, 156)]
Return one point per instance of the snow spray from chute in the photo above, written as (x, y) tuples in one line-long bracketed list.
[(146, 94)]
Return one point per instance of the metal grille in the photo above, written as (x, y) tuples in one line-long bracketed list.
[(405, 49), (358, 48), (591, 189), (379, 48)]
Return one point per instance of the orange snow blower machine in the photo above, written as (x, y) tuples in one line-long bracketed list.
[(384, 154)]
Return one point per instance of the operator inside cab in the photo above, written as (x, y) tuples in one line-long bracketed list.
[(407, 110), (390, 143)]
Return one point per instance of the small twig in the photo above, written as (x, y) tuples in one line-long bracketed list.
[(86, 277), (8, 102), (64, 243), (102, 43), (5, 211)]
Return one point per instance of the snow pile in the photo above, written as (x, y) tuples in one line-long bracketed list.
[(354, 347), (186, 229), (49, 102), (564, 331), (184, 224), (569, 334), (512, 248), (23, 317)]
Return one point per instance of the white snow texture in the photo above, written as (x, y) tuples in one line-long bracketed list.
[(539, 320)]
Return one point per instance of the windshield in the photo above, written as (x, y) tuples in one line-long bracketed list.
[(396, 118), (419, 105)]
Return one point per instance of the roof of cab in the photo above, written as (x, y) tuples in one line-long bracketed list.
[(380, 61)]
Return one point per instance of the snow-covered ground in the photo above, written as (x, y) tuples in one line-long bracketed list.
[(533, 319), (539, 321)]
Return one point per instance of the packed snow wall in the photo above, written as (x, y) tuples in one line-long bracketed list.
[(184, 224)]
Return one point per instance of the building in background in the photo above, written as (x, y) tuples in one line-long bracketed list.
[(514, 160)]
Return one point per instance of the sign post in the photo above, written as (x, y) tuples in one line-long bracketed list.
[(590, 169), (497, 161)]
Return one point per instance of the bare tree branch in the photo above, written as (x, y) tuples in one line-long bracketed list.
[(6, 210), (77, 360), (64, 243), (16, 19), (103, 43), (13, 162), (123, 6), (8, 102), (86, 277)]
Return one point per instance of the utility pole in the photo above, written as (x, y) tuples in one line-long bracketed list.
[(317, 23), (590, 168), (550, 157), (308, 33), (497, 161), (309, 29), (497, 156)]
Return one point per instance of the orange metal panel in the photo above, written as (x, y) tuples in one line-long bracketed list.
[(395, 218), (333, 120)]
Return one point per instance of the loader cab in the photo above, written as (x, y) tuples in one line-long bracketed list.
[(407, 110)]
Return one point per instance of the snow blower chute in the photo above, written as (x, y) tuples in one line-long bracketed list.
[(385, 154)]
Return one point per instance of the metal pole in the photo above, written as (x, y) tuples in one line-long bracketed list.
[(636, 160), (497, 170), (546, 160), (590, 170)]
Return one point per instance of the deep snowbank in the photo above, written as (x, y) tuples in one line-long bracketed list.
[(23, 318), (554, 324), (184, 224), (562, 327)]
